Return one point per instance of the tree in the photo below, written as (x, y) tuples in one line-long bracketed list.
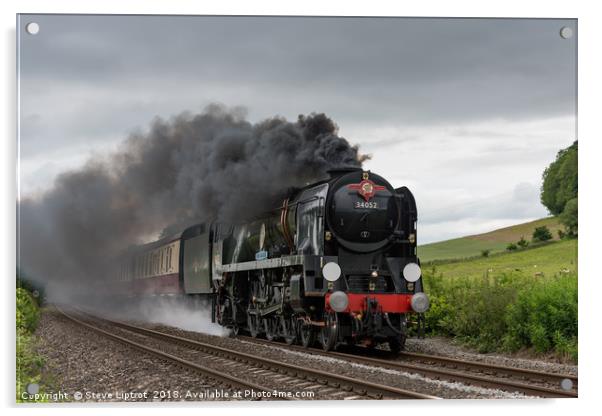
[(522, 243), (485, 253), (569, 217), (560, 180), (542, 234)]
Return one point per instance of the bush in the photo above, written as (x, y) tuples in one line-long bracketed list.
[(522, 243), (511, 247), (470, 309), (29, 363), (485, 253), (542, 234), (439, 309), (566, 348), (545, 317), (27, 311), (505, 312)]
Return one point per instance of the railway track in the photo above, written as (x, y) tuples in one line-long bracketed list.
[(286, 376), (225, 380), (505, 378)]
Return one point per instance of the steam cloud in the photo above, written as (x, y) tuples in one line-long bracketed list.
[(212, 165)]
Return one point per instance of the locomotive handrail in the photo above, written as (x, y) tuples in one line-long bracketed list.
[(283, 261)]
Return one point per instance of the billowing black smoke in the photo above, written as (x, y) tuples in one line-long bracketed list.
[(213, 165)]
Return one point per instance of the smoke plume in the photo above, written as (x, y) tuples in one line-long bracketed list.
[(191, 168)]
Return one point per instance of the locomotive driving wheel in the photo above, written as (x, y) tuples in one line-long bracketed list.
[(307, 334), (224, 313), (396, 344), (330, 331), (289, 331), (270, 325), (398, 341), (253, 324)]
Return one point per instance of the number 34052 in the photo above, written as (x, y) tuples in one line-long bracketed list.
[(362, 204)]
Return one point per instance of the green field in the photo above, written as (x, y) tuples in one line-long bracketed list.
[(546, 260), (495, 241), (508, 301)]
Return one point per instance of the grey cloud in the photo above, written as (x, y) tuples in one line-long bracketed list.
[(89, 81), (415, 69), (89, 77), (521, 202)]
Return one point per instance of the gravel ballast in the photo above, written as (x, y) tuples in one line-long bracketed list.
[(445, 347), (87, 362), (89, 367), (401, 379)]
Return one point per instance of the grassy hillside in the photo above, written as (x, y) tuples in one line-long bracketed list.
[(549, 259), (495, 241), (508, 301)]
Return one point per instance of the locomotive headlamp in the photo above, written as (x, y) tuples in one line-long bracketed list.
[(331, 271), (374, 273), (411, 272), (338, 301), (420, 302)]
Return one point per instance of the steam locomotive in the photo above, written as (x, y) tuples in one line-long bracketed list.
[(336, 263)]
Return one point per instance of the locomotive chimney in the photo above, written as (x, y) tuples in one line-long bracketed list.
[(336, 172)]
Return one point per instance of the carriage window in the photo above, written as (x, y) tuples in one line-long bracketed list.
[(169, 259)]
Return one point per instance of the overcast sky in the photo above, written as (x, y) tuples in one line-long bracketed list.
[(465, 112)]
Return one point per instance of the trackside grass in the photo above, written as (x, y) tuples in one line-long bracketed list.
[(29, 363)]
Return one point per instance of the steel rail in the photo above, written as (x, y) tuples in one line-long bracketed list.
[(227, 380), (360, 387), (486, 367), (506, 385)]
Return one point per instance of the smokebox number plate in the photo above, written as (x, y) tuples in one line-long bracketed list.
[(369, 205)]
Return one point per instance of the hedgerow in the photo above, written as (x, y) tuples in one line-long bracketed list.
[(505, 312), (545, 318)]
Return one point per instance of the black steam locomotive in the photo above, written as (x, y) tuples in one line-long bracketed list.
[(335, 262)]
